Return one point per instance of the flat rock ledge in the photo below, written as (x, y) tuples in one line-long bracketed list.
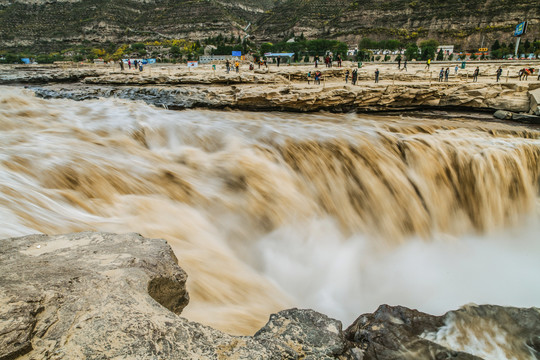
[(109, 296), (299, 98)]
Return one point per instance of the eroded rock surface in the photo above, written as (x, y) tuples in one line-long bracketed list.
[(511, 97), (106, 296)]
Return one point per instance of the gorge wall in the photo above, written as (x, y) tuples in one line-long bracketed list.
[(56, 25)]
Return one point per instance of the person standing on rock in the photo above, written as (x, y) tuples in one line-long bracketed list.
[(308, 77), (475, 74), (228, 66), (456, 70), (121, 65), (499, 73), (237, 66), (316, 61), (129, 64), (399, 63), (441, 75), (405, 65), (446, 74), (354, 76), (428, 63), (347, 73), (339, 60), (376, 76), (278, 60)]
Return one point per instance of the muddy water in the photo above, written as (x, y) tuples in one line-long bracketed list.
[(267, 211)]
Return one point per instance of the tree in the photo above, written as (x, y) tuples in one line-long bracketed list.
[(266, 47), (411, 52), (367, 43), (392, 44), (496, 45), (175, 51), (364, 55), (138, 47), (527, 45), (428, 49)]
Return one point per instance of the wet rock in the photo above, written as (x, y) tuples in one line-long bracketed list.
[(526, 118), (503, 115), (473, 332)]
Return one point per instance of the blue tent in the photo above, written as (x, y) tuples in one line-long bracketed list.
[(25, 60)]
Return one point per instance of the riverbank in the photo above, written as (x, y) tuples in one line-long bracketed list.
[(287, 88)]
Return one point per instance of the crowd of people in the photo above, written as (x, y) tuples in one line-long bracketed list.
[(351, 75)]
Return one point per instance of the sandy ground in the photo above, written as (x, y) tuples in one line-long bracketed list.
[(416, 73)]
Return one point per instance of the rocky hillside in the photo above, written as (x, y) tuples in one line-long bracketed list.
[(462, 22), (55, 24)]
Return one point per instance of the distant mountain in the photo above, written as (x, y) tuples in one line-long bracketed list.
[(55, 24)]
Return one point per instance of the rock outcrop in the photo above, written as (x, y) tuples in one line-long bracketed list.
[(107, 296), (374, 97)]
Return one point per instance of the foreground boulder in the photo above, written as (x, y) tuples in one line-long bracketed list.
[(107, 296)]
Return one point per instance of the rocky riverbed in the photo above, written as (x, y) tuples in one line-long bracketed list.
[(287, 89), (103, 296)]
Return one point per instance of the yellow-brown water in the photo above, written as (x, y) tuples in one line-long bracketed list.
[(267, 211)]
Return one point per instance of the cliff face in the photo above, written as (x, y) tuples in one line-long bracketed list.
[(53, 24), (460, 22)]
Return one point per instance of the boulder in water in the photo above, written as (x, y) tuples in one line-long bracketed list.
[(503, 115)]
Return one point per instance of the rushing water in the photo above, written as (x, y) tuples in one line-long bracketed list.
[(267, 211)]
